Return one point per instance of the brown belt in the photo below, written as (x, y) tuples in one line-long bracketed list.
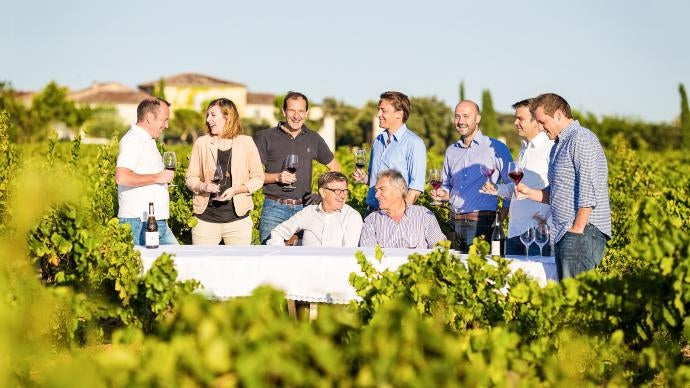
[(284, 201), (474, 216)]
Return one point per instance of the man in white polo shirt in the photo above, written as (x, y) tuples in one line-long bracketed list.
[(534, 160), (140, 175)]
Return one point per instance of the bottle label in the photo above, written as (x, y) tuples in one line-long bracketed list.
[(495, 248), (152, 239)]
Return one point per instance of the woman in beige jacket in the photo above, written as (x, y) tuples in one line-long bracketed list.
[(222, 206)]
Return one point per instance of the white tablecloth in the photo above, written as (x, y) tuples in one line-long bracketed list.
[(312, 274)]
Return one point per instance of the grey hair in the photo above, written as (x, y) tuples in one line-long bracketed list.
[(395, 179)]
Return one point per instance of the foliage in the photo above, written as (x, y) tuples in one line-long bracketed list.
[(684, 116), (488, 124), (105, 122), (185, 126)]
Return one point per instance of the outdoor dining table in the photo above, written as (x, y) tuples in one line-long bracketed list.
[(307, 274)]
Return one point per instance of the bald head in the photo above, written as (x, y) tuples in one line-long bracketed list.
[(468, 103), (467, 119)]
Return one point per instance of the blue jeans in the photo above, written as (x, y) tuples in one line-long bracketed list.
[(272, 214), (464, 231), (139, 231), (577, 253), (515, 247)]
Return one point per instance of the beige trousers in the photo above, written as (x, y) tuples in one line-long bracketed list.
[(232, 233)]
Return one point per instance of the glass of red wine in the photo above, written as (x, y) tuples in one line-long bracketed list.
[(487, 169), (435, 182), (170, 162), (515, 173), (291, 164), (217, 176), (360, 158)]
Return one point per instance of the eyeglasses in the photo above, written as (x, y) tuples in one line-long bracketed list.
[(338, 191)]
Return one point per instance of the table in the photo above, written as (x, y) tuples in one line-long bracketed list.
[(308, 274)]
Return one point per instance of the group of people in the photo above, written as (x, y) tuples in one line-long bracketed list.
[(564, 183)]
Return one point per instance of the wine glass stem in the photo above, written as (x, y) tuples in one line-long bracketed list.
[(526, 251)]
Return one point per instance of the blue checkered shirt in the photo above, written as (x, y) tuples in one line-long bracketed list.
[(578, 178)]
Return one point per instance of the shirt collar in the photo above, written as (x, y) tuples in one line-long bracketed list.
[(568, 130), (478, 139), (281, 127), (540, 138), (319, 208), (397, 135), (142, 132)]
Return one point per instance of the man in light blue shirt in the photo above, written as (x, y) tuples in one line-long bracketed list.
[(471, 212), (397, 148)]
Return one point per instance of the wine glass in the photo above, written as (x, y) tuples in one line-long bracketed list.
[(527, 238), (435, 182), (541, 236), (170, 162), (217, 176), (487, 169), (515, 173), (360, 158), (291, 164)]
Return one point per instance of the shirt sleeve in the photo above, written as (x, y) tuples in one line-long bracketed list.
[(446, 173), (324, 155), (353, 228), (584, 159), (130, 150), (368, 236), (504, 158), (416, 165), (433, 232), (286, 229)]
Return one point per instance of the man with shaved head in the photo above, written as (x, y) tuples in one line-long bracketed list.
[(471, 212)]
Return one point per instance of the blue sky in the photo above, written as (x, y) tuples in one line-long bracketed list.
[(612, 57)]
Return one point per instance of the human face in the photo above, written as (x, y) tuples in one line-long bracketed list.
[(295, 113), (466, 119), (525, 124), (216, 120), (550, 124), (332, 200), (387, 195), (156, 123), (389, 118)]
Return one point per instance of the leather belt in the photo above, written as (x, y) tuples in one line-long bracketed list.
[(284, 201), (474, 216)]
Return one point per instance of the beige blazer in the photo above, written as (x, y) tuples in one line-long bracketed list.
[(245, 169)]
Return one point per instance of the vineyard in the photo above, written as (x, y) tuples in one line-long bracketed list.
[(75, 310)]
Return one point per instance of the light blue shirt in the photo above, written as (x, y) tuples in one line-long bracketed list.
[(462, 177), (578, 178), (406, 153)]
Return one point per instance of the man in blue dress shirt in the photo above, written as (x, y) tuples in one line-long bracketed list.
[(471, 212), (578, 187), (397, 148)]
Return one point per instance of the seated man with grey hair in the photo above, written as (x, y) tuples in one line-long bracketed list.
[(331, 223), (397, 224)]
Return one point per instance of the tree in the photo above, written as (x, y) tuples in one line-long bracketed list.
[(462, 90), (488, 124), (430, 119), (185, 125), (19, 121), (159, 91), (104, 122), (51, 107), (684, 116)]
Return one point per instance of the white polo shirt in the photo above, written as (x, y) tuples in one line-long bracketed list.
[(138, 152)]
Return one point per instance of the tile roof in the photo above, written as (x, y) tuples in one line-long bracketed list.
[(190, 79)]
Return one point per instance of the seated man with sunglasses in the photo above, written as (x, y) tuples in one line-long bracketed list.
[(330, 223)]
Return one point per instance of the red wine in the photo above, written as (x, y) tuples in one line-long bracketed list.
[(152, 237), (516, 176), (359, 165), (292, 170), (170, 168), (435, 184)]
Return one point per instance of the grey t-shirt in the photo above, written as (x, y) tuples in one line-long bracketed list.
[(275, 145)]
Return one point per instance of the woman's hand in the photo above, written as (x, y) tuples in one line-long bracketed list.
[(227, 195)]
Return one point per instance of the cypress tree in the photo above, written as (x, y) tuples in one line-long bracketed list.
[(684, 116), (489, 125), (462, 90)]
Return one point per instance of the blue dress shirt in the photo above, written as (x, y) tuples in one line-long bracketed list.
[(463, 179), (406, 153)]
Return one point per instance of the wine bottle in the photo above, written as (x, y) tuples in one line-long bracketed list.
[(152, 236), (498, 238)]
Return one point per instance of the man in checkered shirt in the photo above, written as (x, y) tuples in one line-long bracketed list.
[(578, 188)]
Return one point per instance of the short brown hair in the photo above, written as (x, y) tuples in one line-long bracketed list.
[(522, 103), (233, 125), (149, 105), (294, 96), (551, 102), (399, 102), (331, 176)]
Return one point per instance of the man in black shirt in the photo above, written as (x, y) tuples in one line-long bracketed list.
[(275, 144)]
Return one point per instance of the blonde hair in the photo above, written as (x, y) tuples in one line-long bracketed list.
[(233, 125)]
